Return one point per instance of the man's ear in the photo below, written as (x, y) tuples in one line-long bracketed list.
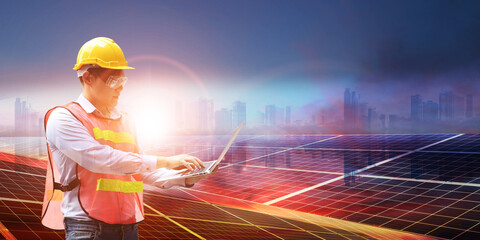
[(87, 78)]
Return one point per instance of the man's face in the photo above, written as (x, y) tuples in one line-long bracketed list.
[(103, 94)]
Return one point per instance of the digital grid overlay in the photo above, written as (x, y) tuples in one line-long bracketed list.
[(285, 187)]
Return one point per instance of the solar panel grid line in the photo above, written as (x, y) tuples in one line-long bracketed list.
[(387, 222), (420, 180), (456, 217), (6, 233), (293, 213), (354, 149), (435, 225), (458, 152), (292, 169), (371, 176), (229, 213), (472, 227), (21, 220), (382, 199), (235, 223), (413, 222), (368, 176), (385, 200), (18, 172), (456, 167), (428, 173), (288, 149), (19, 200), (309, 148), (253, 202), (256, 202), (29, 193), (173, 221), (354, 172)]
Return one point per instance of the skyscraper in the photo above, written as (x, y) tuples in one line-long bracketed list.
[(372, 119), (205, 115), (239, 113), (288, 115), (347, 99), (351, 109), (430, 111), (446, 106), (459, 107), (280, 116), (393, 122), (21, 117), (416, 108), (270, 116), (223, 120)]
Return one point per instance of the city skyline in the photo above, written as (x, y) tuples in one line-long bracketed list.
[(301, 56), (202, 117)]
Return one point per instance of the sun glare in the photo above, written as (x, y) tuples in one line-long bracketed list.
[(152, 124)]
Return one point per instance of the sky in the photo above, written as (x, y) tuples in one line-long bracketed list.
[(298, 53)]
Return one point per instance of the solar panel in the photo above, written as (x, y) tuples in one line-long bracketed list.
[(284, 187), (465, 143)]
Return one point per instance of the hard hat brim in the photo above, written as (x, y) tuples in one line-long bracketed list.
[(76, 67)]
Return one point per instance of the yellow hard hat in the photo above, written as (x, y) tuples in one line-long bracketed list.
[(103, 52)]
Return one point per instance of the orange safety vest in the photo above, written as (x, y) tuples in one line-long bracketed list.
[(110, 198)]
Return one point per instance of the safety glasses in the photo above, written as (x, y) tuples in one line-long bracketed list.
[(115, 82)]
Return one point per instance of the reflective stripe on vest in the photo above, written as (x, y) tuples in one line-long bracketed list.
[(57, 194), (116, 137), (114, 185)]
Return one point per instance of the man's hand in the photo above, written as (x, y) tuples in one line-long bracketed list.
[(181, 161), (189, 182)]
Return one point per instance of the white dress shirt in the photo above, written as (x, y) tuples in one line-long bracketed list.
[(71, 144)]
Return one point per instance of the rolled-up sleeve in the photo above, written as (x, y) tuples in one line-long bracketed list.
[(67, 134)]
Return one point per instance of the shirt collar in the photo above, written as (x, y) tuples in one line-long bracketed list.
[(89, 108)]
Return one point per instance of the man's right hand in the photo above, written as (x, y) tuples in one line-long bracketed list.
[(181, 161)]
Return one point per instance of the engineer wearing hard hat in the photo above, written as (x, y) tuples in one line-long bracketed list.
[(96, 170)]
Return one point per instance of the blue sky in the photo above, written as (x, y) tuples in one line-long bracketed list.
[(262, 52)]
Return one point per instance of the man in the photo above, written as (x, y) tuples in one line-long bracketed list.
[(96, 169)]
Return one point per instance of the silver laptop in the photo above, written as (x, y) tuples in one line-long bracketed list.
[(209, 166)]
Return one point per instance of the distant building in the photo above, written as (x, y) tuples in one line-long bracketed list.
[(393, 122), (430, 111), (459, 110), (26, 120), (372, 119), (383, 122), (270, 116), (239, 113), (347, 99), (416, 108), (446, 106), (350, 109), (280, 116), (21, 117), (205, 115), (223, 120), (288, 115)]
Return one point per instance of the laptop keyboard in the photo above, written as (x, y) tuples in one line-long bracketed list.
[(207, 165)]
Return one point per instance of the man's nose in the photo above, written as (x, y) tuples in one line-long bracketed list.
[(119, 89)]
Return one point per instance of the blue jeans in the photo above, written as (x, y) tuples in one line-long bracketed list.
[(79, 230)]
